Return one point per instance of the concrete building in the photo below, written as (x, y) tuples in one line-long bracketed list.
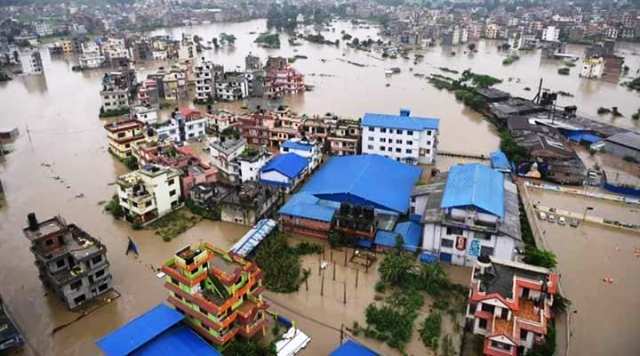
[(114, 49), (204, 82), (191, 123), (285, 171), (623, 145), (223, 154), (115, 91), (303, 148), (232, 86), (149, 192), (220, 293), (148, 93), (352, 195), (31, 62), (402, 137), (510, 304), (344, 138), (71, 263), (249, 202), (592, 68), (551, 34), (474, 213), (122, 135), (91, 56), (492, 31), (145, 114)]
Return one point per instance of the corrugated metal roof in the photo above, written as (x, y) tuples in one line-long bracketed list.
[(156, 332), (305, 205), (289, 164), (296, 145), (400, 122), (253, 237), (474, 185), (410, 232), (628, 139), (499, 161), (352, 348), (365, 180)]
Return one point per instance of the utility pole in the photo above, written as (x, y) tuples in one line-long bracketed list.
[(334, 270), (357, 273), (346, 252), (322, 286), (344, 297)]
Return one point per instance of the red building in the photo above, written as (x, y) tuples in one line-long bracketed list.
[(510, 305)]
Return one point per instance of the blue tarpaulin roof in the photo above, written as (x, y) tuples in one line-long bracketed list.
[(365, 180), (499, 161), (306, 205), (352, 348), (583, 137), (474, 185), (400, 122), (253, 237), (156, 332), (297, 145), (411, 233), (290, 165)]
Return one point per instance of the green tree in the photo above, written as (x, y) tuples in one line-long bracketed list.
[(395, 268), (430, 330), (131, 162), (538, 257)]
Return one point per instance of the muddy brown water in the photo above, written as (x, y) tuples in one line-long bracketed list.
[(61, 155)]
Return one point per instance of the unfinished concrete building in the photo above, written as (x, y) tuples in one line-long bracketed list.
[(70, 262)]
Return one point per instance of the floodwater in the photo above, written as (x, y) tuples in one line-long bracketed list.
[(61, 136), (587, 255)]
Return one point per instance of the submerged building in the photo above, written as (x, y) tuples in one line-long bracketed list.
[(220, 293), (510, 304), (71, 263)]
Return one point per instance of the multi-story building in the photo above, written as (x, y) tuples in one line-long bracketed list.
[(115, 91), (592, 68), (282, 79), (231, 86), (220, 293), (285, 171), (344, 138), (472, 212), (250, 162), (148, 93), (205, 88), (304, 148), (91, 56), (145, 114), (510, 304), (186, 48), (122, 135), (174, 84), (71, 263), (31, 62), (492, 31), (67, 46), (254, 127), (402, 137), (224, 153), (551, 34), (221, 120), (149, 192), (43, 29), (115, 48), (192, 123)]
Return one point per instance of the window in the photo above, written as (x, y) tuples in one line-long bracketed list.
[(121, 134), (429, 133), (382, 148), (175, 281), (454, 230), (76, 285), (371, 129), (80, 299), (370, 138), (428, 151), (399, 141), (96, 259), (488, 308), (100, 273), (400, 132), (202, 310), (172, 193), (482, 323), (410, 133), (523, 334), (370, 147), (408, 151), (382, 139), (501, 346), (486, 251), (446, 243), (60, 263), (103, 287), (409, 143), (383, 130), (398, 150), (482, 235)]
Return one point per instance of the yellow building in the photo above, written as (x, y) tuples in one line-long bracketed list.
[(67, 46), (122, 135)]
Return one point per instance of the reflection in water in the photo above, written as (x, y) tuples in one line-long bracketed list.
[(34, 84)]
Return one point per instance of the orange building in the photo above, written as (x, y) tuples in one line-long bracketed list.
[(220, 293)]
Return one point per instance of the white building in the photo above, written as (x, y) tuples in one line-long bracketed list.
[(91, 56), (146, 115), (168, 130), (223, 154), (402, 137), (192, 124), (592, 68), (285, 171), (43, 29), (232, 86), (551, 34), (205, 88), (31, 62), (473, 212), (115, 48), (149, 193), (309, 150), (251, 162), (187, 48)]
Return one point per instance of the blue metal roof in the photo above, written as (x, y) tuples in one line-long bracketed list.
[(253, 237), (305, 205), (583, 137), (411, 233), (157, 332), (400, 122), (365, 180), (474, 185), (352, 348), (499, 161), (289, 164), (297, 145)]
